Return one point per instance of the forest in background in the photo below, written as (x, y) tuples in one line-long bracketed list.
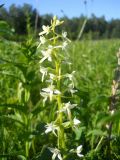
[(19, 17)]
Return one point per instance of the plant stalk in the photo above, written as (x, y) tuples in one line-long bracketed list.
[(61, 141)]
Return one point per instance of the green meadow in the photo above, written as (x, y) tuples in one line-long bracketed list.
[(23, 116)]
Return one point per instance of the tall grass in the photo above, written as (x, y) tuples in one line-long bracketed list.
[(25, 120)]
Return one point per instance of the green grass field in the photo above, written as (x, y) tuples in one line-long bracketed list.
[(22, 124)]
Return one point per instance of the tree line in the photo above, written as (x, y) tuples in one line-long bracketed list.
[(24, 19)]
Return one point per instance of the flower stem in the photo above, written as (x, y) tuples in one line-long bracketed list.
[(61, 141)]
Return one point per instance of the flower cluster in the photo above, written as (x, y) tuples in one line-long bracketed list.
[(53, 46)]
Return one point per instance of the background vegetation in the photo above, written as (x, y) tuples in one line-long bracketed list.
[(22, 113), (96, 28)]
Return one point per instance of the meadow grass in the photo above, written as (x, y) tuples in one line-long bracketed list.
[(94, 63)]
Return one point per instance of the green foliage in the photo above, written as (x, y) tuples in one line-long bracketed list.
[(23, 116), (5, 30)]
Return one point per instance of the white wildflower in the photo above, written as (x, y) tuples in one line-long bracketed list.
[(44, 72), (46, 55), (76, 122), (56, 153), (64, 45), (59, 46), (78, 151), (42, 40), (58, 22), (51, 91), (71, 89), (107, 126), (112, 112), (67, 108), (52, 76), (46, 30), (64, 34), (71, 77), (45, 97), (50, 127)]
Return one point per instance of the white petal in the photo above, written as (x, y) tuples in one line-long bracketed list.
[(79, 149), (54, 156), (64, 34), (46, 30), (43, 59), (80, 155), (49, 59), (57, 22), (48, 130), (57, 91), (64, 45), (51, 149), (76, 121), (47, 90), (59, 157), (51, 95), (42, 39)]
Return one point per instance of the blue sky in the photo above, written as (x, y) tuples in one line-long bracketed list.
[(73, 8)]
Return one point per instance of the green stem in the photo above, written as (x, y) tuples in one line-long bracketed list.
[(61, 141), (26, 142), (33, 146), (97, 147), (27, 149)]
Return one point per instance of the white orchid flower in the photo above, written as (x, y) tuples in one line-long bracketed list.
[(51, 127), (64, 45), (51, 91), (71, 88), (44, 71), (67, 108), (42, 41), (71, 77), (46, 30), (56, 153), (57, 22), (64, 34), (45, 97), (78, 151), (76, 121), (52, 76), (46, 55)]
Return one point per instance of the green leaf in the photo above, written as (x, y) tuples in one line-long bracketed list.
[(96, 132), (21, 157), (4, 28), (12, 119), (78, 132), (14, 106)]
